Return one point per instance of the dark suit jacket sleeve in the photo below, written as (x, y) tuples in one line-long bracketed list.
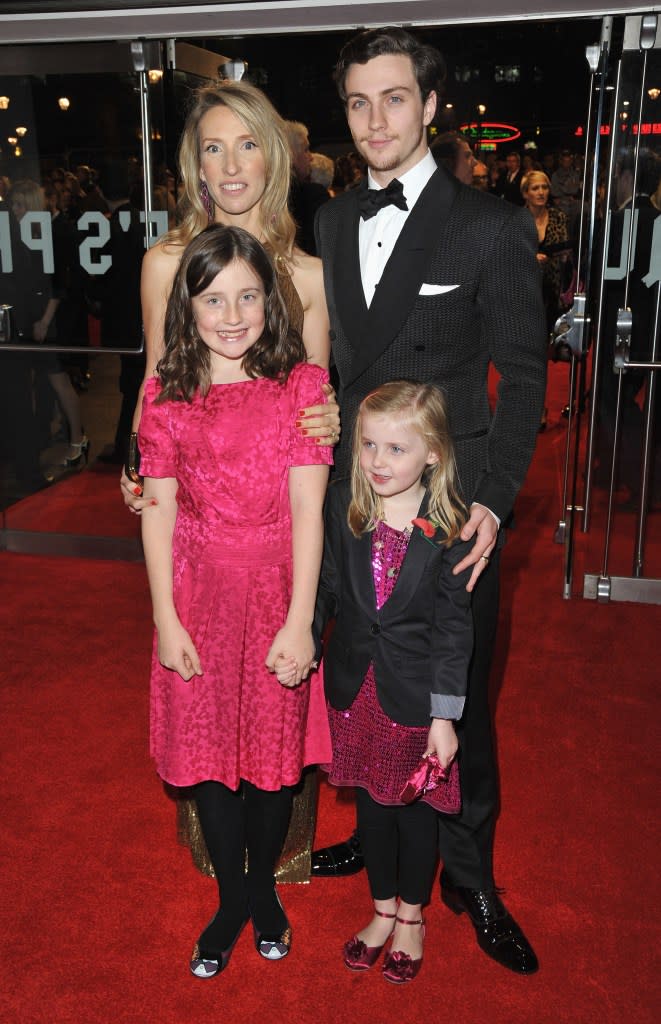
[(452, 636), (512, 309)]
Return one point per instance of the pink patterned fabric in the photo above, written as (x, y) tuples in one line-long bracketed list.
[(230, 453), (369, 749)]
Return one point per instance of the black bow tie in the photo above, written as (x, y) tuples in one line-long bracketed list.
[(374, 199)]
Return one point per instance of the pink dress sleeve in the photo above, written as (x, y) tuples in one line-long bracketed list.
[(155, 440), (304, 386)]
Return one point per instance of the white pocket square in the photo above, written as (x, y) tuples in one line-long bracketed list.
[(437, 289)]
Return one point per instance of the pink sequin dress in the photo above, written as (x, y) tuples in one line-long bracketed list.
[(369, 749), (232, 575)]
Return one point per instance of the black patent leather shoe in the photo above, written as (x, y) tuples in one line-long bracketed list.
[(339, 860), (498, 934)]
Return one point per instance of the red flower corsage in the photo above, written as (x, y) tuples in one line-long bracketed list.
[(427, 528)]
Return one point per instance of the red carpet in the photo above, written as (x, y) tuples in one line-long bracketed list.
[(101, 906), (86, 503)]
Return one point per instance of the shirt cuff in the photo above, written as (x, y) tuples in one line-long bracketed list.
[(489, 511), (443, 705)]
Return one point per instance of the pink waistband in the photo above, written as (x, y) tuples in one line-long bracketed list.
[(239, 546)]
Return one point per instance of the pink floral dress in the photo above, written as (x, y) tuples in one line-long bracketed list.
[(231, 453)]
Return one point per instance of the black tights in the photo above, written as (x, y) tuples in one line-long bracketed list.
[(400, 846), (235, 823)]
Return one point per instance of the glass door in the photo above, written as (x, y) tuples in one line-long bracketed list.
[(85, 186), (615, 328)]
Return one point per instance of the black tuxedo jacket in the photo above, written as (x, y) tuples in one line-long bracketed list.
[(511, 190), (481, 302), (419, 642)]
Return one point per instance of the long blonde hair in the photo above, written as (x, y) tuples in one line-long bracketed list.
[(260, 117), (422, 407)]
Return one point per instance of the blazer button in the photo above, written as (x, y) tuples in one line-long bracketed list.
[(375, 629)]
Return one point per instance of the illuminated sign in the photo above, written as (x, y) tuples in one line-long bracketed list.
[(646, 128), (491, 131)]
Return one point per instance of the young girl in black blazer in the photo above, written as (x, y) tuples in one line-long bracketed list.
[(397, 660)]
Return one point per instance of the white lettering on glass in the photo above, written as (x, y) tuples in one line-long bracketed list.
[(102, 262), (41, 242)]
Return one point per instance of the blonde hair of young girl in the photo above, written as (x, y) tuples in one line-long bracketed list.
[(423, 408), (261, 119)]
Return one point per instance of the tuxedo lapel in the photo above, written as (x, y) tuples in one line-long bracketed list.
[(370, 332), (347, 284)]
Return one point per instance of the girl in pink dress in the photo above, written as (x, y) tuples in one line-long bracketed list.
[(397, 659), (233, 544)]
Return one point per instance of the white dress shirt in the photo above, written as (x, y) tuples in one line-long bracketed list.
[(378, 235)]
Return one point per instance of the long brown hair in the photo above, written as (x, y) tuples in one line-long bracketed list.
[(185, 366), (260, 117), (422, 407)]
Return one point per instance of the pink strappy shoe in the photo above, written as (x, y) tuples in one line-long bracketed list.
[(358, 956), (399, 967)]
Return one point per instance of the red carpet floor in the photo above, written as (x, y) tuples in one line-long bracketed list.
[(101, 906), (83, 503)]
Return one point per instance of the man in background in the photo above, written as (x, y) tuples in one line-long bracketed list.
[(453, 150), (480, 176), (305, 196)]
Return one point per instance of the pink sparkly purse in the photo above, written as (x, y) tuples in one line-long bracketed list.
[(430, 775)]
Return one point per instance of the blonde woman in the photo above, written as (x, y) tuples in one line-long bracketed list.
[(553, 236), (235, 168)]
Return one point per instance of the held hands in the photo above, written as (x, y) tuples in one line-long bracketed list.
[(322, 421), (442, 741), (291, 656), (176, 651), (483, 526)]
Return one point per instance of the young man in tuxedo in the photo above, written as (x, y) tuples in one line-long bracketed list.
[(510, 186), (432, 280)]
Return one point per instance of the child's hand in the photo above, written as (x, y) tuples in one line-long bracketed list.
[(286, 671), (176, 651), (442, 741), (293, 645)]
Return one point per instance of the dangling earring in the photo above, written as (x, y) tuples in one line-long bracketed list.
[(206, 200)]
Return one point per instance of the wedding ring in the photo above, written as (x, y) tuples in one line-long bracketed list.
[(485, 558)]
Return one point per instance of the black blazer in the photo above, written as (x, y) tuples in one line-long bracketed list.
[(482, 302), (511, 190), (420, 641)]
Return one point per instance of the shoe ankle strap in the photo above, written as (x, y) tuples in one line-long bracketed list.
[(403, 920), (380, 913)]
